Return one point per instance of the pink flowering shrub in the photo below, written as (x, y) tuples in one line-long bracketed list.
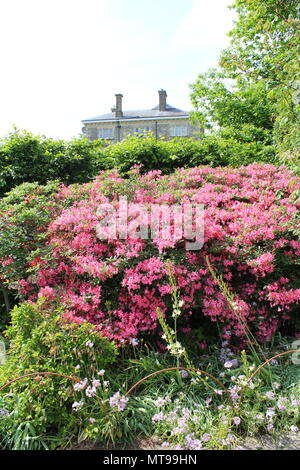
[(251, 237)]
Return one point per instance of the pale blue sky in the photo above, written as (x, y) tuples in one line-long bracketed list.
[(64, 60)]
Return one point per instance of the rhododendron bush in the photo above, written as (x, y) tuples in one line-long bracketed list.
[(251, 237)]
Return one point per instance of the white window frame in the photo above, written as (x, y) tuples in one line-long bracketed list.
[(179, 131), (106, 133)]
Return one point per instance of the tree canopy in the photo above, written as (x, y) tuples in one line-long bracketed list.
[(258, 83)]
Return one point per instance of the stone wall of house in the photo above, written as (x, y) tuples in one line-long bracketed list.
[(121, 129)]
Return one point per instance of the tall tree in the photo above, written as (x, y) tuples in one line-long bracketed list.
[(222, 105), (263, 61), (265, 46)]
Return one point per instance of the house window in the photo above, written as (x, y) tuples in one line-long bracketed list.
[(105, 133), (179, 131), (142, 130)]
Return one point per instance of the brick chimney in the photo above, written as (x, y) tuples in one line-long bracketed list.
[(118, 109), (162, 100)]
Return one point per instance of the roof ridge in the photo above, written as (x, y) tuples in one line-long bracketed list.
[(141, 113)]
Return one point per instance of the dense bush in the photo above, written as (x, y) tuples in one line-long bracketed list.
[(212, 150), (25, 157), (251, 238), (42, 342), (26, 212)]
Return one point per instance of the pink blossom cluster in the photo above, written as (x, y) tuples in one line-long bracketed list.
[(251, 220)]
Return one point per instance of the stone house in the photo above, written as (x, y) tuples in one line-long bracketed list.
[(163, 121)]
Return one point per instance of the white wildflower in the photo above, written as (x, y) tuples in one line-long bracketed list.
[(91, 391), (77, 405)]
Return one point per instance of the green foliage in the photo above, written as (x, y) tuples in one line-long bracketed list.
[(25, 212), (163, 407), (265, 49), (34, 159), (239, 119), (40, 341), (264, 39), (25, 157), (143, 150), (292, 161), (188, 420), (258, 83), (236, 146), (174, 411), (222, 103)]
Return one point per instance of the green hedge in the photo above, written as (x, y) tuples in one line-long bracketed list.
[(212, 150), (25, 157)]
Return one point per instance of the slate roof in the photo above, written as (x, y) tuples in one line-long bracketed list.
[(146, 113)]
